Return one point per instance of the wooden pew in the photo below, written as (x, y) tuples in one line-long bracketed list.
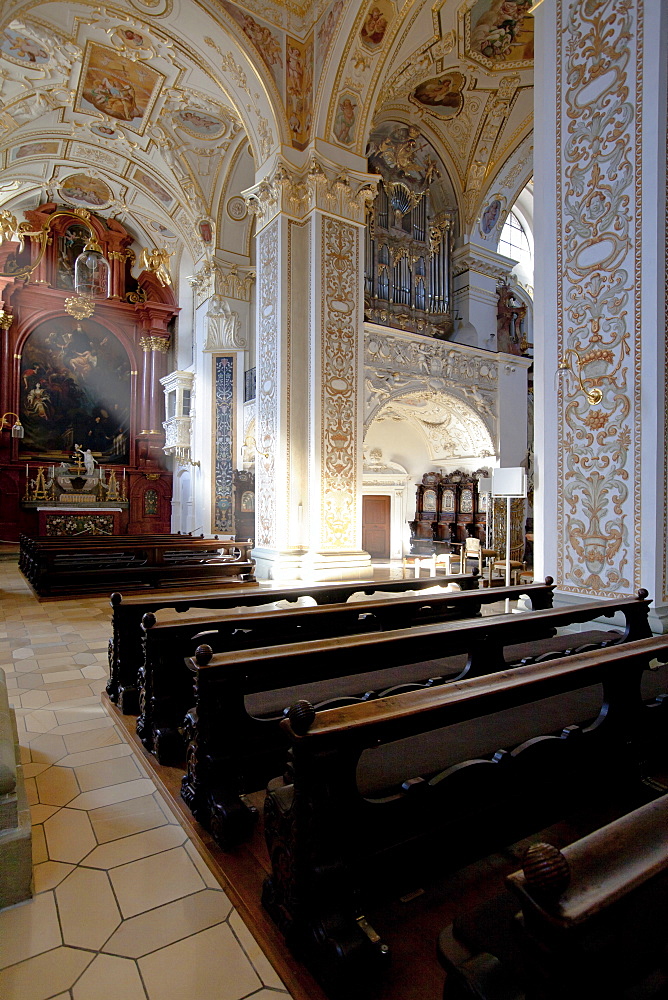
[(93, 563), (591, 921), (233, 733), (335, 846), (165, 686), (125, 644)]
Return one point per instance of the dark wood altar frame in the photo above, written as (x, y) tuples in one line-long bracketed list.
[(139, 314)]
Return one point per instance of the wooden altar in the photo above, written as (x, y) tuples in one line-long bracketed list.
[(92, 382)]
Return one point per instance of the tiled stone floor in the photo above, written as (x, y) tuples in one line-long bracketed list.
[(124, 906)]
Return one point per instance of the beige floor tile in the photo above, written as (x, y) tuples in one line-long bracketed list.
[(106, 772), (262, 995), (122, 819), (31, 792), (259, 961), (114, 793), (110, 978), (209, 964), (41, 977), (49, 748), (94, 672), (140, 845), (32, 770), (40, 813), (48, 661), (90, 740), (71, 695), (69, 836), (40, 721), (57, 786), (200, 864), (87, 908), (94, 756), (141, 885), (87, 711), (34, 699), (25, 666), (23, 653), (169, 923), (50, 874), (39, 848), (84, 659), (99, 721), (29, 929)]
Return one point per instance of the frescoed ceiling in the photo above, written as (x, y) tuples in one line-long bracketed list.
[(159, 112)]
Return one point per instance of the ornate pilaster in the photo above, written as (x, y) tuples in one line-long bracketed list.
[(601, 121), (309, 399)]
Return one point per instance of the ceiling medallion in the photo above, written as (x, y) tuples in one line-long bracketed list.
[(237, 208)]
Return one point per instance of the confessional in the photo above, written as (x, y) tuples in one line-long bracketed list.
[(448, 510)]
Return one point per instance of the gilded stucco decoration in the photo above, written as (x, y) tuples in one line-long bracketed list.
[(453, 428), (267, 389), (223, 327), (216, 277), (340, 319), (320, 185), (598, 296), (395, 366)]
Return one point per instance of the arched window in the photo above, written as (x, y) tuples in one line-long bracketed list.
[(514, 241)]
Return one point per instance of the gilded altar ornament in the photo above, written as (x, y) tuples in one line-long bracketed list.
[(79, 306), (157, 262), (594, 395), (92, 274)]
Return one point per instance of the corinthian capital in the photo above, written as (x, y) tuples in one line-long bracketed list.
[(320, 184)]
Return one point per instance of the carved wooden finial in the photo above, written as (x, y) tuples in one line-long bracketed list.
[(549, 580), (546, 870), (301, 716), (643, 594), (203, 655), (115, 600), (148, 621)]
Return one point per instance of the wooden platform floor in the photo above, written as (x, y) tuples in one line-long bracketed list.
[(410, 925)]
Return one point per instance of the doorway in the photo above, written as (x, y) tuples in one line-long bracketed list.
[(376, 526)]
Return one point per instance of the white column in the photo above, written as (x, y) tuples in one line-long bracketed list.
[(600, 168), (309, 371)]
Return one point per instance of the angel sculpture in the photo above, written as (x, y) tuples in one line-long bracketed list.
[(157, 261)]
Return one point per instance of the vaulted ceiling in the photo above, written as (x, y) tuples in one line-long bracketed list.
[(160, 112)]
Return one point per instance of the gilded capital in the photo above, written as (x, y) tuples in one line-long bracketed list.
[(319, 185)]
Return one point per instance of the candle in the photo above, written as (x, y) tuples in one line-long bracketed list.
[(123, 473), (27, 473)]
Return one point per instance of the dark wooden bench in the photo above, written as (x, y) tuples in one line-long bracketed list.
[(341, 835), (590, 924), (125, 644), (93, 563), (165, 686), (233, 733)]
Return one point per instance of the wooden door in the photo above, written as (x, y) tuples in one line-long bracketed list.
[(376, 526)]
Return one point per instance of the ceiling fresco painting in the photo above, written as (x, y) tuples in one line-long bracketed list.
[(158, 111)]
